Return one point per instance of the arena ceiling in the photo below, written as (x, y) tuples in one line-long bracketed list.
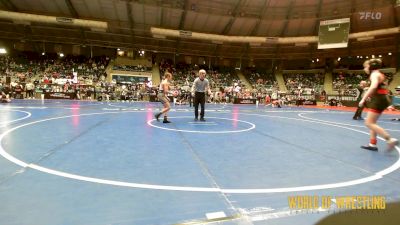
[(129, 23)]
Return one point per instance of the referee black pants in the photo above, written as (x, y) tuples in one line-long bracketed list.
[(199, 98), (359, 111)]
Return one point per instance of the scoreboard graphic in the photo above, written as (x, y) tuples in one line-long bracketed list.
[(334, 33)]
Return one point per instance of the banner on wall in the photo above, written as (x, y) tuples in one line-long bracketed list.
[(244, 101)]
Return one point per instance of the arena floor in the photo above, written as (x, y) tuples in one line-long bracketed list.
[(95, 163)]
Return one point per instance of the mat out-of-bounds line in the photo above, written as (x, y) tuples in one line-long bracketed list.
[(376, 176), (5, 123), (302, 115), (344, 112)]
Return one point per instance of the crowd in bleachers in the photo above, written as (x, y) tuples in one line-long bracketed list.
[(33, 66), (87, 68), (349, 80), (18, 67), (343, 80), (309, 81), (260, 79), (224, 82), (31, 74), (346, 82)]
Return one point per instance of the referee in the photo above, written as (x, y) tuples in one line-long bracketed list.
[(200, 85), (360, 89)]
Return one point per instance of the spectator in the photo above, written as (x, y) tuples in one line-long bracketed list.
[(29, 90)]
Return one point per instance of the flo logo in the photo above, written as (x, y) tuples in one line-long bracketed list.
[(370, 15)]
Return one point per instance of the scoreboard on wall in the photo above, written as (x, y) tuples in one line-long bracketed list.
[(334, 33)]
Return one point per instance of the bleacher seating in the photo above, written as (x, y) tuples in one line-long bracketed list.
[(260, 79), (294, 81)]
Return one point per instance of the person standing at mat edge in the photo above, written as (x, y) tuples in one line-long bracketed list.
[(199, 87), (162, 96), (360, 89), (379, 100)]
